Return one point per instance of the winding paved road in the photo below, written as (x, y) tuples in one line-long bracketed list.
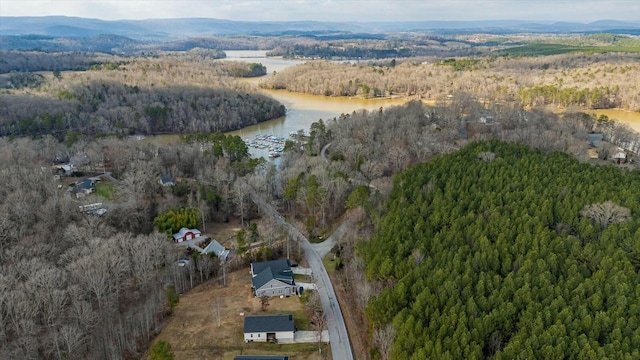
[(338, 336)]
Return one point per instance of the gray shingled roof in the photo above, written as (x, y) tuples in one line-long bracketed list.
[(263, 272), (268, 323), (282, 265), (262, 278), (166, 179), (86, 184), (261, 357), (216, 248)]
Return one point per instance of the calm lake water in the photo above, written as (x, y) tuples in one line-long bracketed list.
[(303, 109), (630, 118)]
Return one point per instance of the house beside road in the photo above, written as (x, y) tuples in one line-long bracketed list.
[(272, 278), (269, 328)]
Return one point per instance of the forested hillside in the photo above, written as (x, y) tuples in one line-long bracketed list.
[(79, 285), (30, 61), (180, 93), (587, 81), (500, 251)]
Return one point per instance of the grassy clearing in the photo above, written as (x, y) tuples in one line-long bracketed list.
[(302, 278), (317, 239), (295, 351), (302, 321), (105, 189), (193, 330), (329, 263)]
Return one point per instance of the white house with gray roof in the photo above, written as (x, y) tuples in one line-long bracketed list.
[(272, 278), (216, 248), (271, 328)]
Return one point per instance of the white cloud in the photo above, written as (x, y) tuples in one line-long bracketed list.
[(331, 10)]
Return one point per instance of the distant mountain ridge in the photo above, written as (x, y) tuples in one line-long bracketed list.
[(166, 29)]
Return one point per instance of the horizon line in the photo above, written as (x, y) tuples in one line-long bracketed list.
[(327, 22)]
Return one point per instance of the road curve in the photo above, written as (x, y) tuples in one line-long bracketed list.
[(338, 336), (323, 152)]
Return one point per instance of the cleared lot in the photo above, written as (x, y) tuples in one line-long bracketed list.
[(193, 330)]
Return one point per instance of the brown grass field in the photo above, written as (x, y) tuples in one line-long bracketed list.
[(193, 330)]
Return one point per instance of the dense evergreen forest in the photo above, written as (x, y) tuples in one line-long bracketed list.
[(367, 148), (501, 251)]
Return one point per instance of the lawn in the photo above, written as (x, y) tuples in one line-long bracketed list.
[(193, 330), (105, 189), (302, 278), (329, 262), (316, 239)]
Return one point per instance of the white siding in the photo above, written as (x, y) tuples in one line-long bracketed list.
[(258, 337), (281, 336), (276, 288)]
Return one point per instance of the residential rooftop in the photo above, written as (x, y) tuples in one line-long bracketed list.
[(268, 323)]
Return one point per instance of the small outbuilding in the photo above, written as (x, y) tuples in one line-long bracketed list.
[(167, 180), (619, 156), (186, 234), (269, 328)]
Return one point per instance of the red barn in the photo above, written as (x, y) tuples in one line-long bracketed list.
[(186, 234)]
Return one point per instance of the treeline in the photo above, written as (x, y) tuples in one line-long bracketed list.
[(601, 97), (500, 251), (31, 61), (322, 51), (145, 96), (241, 69), (489, 79), (122, 45), (112, 108), (591, 44), (385, 47)]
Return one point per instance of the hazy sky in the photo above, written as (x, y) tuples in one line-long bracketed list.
[(332, 10)]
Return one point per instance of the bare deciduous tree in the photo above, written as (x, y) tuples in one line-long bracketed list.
[(71, 339), (383, 339), (264, 302), (217, 310), (418, 256), (606, 213), (240, 197), (318, 317)]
